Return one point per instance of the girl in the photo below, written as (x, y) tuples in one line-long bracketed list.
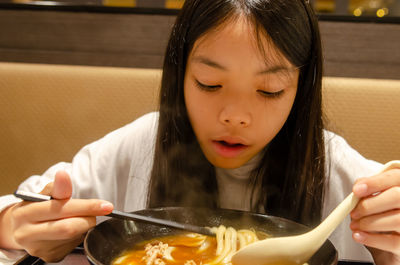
[(240, 126)]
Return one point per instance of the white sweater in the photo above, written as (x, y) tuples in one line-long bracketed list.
[(118, 166)]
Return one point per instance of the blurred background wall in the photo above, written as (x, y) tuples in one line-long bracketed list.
[(360, 37)]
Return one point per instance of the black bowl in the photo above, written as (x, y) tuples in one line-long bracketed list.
[(109, 239)]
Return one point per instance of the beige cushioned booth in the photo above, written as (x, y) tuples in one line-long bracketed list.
[(48, 112)]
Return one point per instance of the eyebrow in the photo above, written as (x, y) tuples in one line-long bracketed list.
[(206, 61), (271, 69), (275, 69)]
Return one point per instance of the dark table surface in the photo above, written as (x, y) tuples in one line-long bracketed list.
[(78, 257)]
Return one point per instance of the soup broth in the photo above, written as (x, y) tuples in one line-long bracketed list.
[(191, 249), (178, 249)]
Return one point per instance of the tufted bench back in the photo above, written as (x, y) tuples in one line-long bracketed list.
[(48, 112)]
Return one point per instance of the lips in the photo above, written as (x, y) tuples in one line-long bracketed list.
[(229, 148)]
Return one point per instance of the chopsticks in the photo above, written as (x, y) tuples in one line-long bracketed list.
[(35, 197)]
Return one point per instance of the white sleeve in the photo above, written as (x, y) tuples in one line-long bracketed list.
[(344, 165), (103, 168), (9, 257)]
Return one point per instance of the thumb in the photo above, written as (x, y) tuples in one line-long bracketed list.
[(61, 188)]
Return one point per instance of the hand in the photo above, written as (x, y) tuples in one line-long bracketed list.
[(52, 229), (376, 218)]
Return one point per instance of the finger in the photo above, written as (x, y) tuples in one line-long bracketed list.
[(367, 186), (386, 242), (63, 229), (58, 209), (385, 201), (58, 253), (54, 251), (385, 222), (383, 181), (62, 187)]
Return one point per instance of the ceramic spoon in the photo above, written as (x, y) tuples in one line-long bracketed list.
[(294, 249), (298, 249)]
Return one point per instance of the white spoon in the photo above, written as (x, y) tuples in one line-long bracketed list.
[(298, 249), (294, 249)]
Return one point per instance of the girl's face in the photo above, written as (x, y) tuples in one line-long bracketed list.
[(237, 97)]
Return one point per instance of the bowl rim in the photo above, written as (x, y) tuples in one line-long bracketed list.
[(93, 260)]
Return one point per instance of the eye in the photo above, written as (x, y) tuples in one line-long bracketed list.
[(207, 87), (270, 94)]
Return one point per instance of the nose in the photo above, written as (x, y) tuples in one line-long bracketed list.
[(235, 116)]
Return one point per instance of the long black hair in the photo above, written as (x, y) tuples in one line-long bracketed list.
[(292, 168)]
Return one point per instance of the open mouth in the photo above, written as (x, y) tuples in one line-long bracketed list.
[(228, 149), (230, 144)]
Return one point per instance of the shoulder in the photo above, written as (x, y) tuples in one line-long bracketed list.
[(149, 119), (340, 153), (121, 157), (344, 164), (141, 130), (142, 134), (144, 125), (123, 148), (135, 142)]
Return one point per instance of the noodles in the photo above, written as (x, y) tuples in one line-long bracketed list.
[(227, 242), (190, 248)]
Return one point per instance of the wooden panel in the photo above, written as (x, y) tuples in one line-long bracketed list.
[(83, 38), (90, 32), (361, 49), (368, 50)]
